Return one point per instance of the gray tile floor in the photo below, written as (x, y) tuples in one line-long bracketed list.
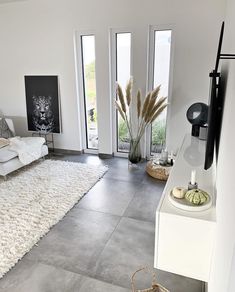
[(99, 244)]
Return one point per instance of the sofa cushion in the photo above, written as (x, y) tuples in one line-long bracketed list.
[(6, 154), (5, 131)]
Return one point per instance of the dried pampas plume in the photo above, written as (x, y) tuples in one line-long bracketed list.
[(128, 91), (158, 112), (120, 110), (121, 98), (157, 105), (146, 104)]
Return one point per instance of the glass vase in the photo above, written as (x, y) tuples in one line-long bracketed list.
[(134, 155)]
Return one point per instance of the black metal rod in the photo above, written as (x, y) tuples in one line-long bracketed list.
[(227, 58), (227, 55)]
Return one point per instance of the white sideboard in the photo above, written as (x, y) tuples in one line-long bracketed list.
[(184, 240)]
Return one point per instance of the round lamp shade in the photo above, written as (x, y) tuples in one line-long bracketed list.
[(197, 114)]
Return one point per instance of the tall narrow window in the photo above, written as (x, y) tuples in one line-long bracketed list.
[(123, 72), (89, 85), (161, 75)]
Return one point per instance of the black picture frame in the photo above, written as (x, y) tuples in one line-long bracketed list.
[(42, 103)]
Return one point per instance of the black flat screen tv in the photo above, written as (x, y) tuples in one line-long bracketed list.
[(215, 109)]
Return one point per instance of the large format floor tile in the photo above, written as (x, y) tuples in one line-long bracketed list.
[(144, 204), (109, 196), (130, 247), (121, 172), (37, 277), (150, 181), (27, 276), (76, 242), (93, 285)]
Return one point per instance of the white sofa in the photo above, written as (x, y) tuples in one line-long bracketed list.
[(9, 160)]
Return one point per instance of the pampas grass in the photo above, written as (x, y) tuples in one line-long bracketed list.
[(152, 107)]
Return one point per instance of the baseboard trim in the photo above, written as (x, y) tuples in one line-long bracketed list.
[(76, 152), (65, 151), (105, 156)]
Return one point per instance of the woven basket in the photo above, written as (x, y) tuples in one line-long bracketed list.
[(158, 172), (155, 286)]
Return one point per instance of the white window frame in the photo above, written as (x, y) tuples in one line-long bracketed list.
[(81, 89), (150, 76), (113, 74)]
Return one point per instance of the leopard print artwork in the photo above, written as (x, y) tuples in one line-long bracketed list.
[(43, 118)]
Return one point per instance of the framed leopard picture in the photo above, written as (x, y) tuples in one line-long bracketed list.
[(42, 102)]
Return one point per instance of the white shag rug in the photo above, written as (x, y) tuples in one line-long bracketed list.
[(35, 199)]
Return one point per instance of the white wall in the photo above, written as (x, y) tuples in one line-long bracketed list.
[(36, 37), (223, 268)]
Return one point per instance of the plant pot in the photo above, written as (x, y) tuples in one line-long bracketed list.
[(134, 155)]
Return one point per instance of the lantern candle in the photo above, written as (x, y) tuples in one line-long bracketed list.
[(193, 177), (192, 184)]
